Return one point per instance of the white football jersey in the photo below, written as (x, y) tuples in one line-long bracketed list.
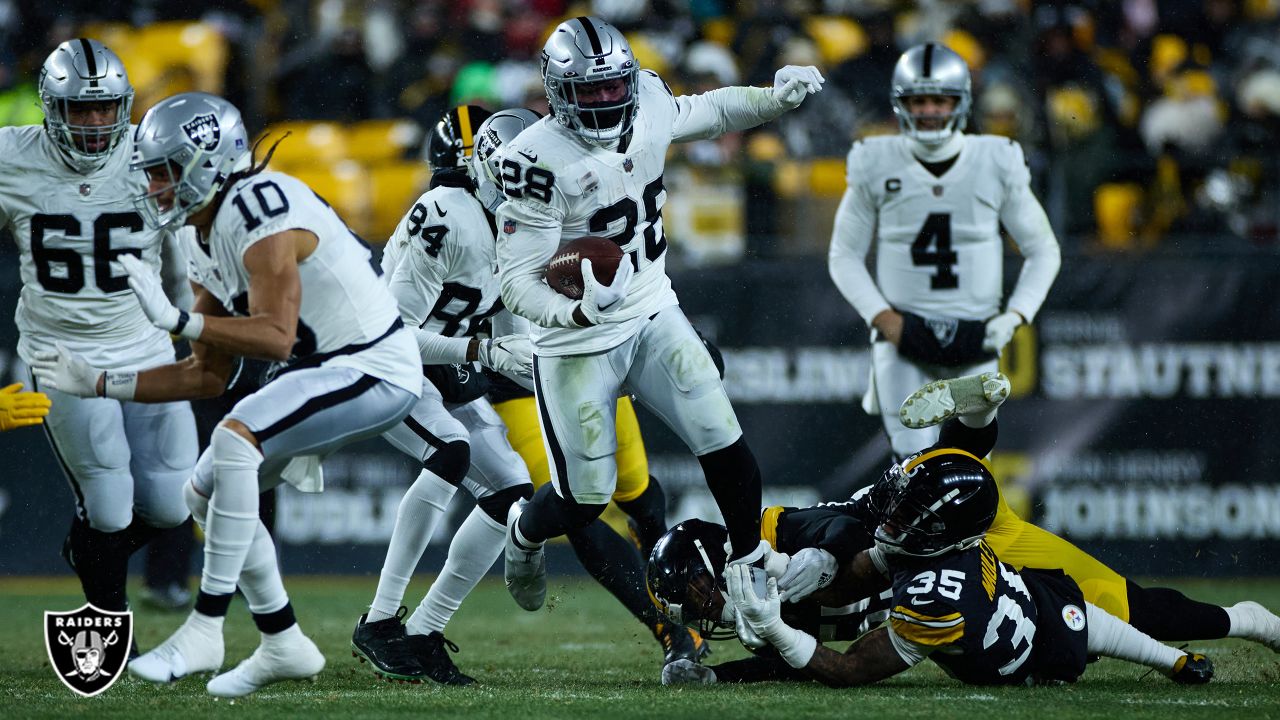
[(940, 253), (550, 172), (441, 263), (347, 314), (70, 228)]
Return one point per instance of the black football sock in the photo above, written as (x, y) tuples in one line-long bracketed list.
[(649, 511), (975, 441), (734, 479), (1166, 614), (617, 566), (548, 515), (168, 560), (757, 669), (275, 622), (214, 605), (101, 560)]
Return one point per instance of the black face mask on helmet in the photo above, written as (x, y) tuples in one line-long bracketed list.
[(685, 571)]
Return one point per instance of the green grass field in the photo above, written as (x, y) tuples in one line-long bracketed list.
[(582, 656)]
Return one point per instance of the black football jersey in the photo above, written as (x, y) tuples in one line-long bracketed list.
[(982, 621)]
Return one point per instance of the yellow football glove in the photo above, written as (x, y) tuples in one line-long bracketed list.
[(18, 409)]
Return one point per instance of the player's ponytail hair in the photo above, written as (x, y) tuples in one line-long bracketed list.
[(254, 167)]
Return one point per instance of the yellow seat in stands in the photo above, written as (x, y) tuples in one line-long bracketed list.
[(345, 186), (1117, 208), (309, 144), (394, 187), (376, 141)]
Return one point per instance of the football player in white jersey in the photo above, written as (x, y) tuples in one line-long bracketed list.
[(594, 167), (277, 275), (440, 264), (66, 195), (936, 199)]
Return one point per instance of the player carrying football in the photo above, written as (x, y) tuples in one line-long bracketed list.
[(594, 167), (936, 200)]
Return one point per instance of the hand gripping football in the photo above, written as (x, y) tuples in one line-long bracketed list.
[(564, 272)]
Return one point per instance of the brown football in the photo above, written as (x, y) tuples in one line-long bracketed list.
[(564, 272)]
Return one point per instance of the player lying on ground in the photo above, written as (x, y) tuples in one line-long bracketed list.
[(277, 275), (823, 539)]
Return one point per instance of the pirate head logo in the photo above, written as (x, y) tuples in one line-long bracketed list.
[(944, 329), (88, 648), (203, 131)]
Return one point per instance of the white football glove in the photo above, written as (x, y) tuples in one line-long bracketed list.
[(62, 370), (773, 562), (810, 570), (686, 672), (509, 355), (1000, 331), (145, 284), (597, 299), (764, 614), (793, 83)]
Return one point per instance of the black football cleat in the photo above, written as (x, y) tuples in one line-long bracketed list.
[(681, 643), (1192, 669), (385, 646), (431, 654)]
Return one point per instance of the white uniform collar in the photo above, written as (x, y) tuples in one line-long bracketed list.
[(940, 152)]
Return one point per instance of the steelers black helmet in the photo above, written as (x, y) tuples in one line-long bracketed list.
[(685, 575), (450, 141), (934, 502)]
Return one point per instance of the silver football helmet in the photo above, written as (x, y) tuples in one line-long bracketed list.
[(197, 141), (580, 55), (84, 71), (931, 69), (499, 129)]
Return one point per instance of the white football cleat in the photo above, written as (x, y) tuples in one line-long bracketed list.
[(942, 400), (287, 655), (194, 647), (525, 569), (1256, 623)]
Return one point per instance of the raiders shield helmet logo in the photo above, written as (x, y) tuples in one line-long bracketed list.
[(88, 648), (203, 131), (944, 329)]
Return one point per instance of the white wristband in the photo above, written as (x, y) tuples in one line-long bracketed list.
[(190, 325), (795, 646), (119, 385)]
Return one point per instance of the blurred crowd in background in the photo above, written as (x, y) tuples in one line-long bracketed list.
[(1147, 123)]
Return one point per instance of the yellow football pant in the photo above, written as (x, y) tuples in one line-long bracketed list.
[(525, 435), (1022, 544)]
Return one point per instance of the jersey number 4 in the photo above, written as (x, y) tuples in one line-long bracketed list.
[(936, 233), (71, 280)]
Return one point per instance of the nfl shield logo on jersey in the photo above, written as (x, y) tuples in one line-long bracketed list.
[(509, 226), (203, 131), (85, 189), (628, 165), (88, 647)]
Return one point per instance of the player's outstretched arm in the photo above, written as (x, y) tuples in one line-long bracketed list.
[(714, 113), (871, 658)]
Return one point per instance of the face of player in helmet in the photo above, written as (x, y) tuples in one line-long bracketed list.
[(931, 112), (92, 124), (162, 185)]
